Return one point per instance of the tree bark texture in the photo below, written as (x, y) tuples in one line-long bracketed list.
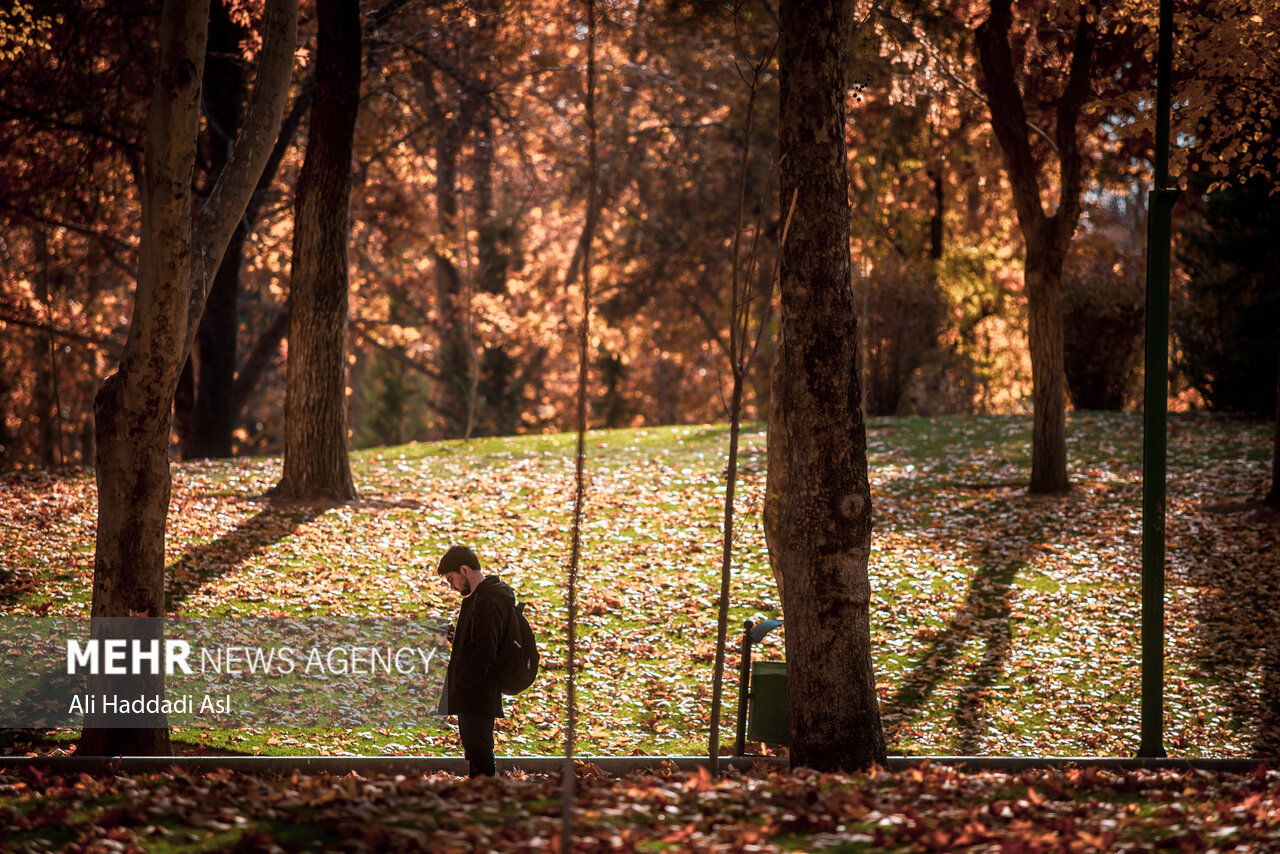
[(1048, 374), (316, 462), (818, 498), (1047, 236), (133, 408)]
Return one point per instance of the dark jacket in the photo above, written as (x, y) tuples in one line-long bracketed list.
[(471, 681)]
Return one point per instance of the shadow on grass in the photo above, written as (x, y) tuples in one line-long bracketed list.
[(1235, 567), (1013, 527), (15, 584), (213, 559)]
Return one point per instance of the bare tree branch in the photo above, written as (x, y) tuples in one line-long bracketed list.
[(112, 346)]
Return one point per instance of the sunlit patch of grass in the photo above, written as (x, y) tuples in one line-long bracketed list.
[(1008, 622)]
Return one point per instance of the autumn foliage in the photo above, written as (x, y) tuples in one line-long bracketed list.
[(469, 191)]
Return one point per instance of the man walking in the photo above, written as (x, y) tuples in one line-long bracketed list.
[(471, 689)]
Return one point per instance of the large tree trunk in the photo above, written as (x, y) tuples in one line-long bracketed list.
[(133, 505), (1047, 236), (316, 462), (133, 407), (818, 498)]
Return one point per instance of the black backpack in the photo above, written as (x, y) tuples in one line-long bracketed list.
[(518, 658)]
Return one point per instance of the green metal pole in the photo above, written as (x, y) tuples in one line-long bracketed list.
[(1155, 406)]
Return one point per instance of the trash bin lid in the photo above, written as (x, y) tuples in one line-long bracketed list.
[(759, 631)]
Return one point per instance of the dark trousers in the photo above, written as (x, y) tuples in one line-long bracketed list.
[(476, 730)]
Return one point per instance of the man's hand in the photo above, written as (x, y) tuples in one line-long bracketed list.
[(448, 635)]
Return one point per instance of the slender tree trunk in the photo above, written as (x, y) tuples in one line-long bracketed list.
[(498, 404), (133, 407), (225, 89), (567, 774), (260, 358), (742, 351), (316, 462), (6, 435), (936, 218), (1047, 236), (86, 437), (726, 565), (184, 402), (493, 234), (452, 394), (1273, 497), (213, 415), (818, 496), (45, 358), (1048, 378), (617, 125)]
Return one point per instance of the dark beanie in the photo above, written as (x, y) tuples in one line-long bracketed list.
[(456, 558)]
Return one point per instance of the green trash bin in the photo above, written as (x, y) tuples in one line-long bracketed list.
[(767, 720)]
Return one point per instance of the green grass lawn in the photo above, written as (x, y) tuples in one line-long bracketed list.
[(1002, 624)]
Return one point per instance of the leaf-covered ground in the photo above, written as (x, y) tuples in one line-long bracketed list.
[(1003, 624), (927, 809)]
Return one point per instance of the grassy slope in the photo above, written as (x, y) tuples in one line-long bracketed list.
[(1002, 624)]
